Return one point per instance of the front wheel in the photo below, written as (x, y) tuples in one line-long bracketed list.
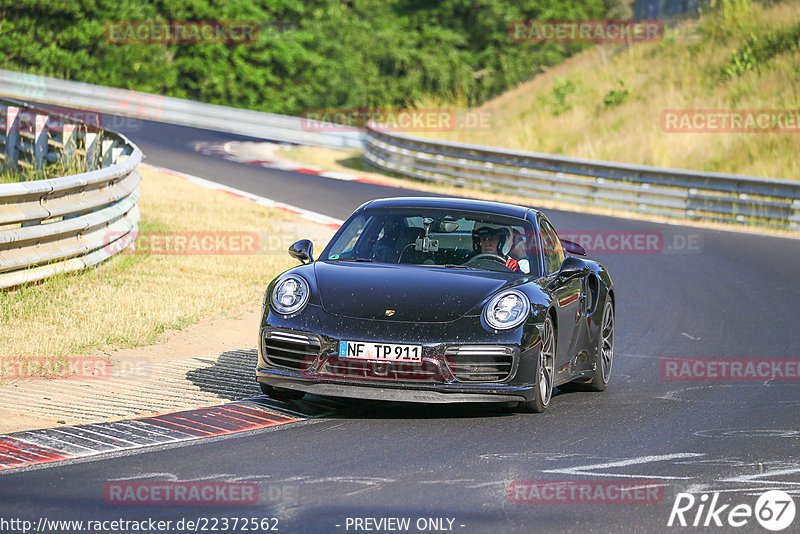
[(280, 394), (543, 390), (605, 352)]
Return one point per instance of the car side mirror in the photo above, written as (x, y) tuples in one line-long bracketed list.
[(302, 250), (572, 267), (573, 248)]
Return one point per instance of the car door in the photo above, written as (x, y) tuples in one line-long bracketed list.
[(566, 295)]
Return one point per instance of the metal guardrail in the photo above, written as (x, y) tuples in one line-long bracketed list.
[(672, 192), (651, 190), (159, 108), (69, 223)]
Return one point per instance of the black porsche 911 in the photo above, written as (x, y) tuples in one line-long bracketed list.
[(438, 300)]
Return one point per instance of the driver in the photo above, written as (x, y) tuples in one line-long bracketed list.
[(491, 240)]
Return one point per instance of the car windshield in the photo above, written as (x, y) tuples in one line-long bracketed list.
[(437, 237)]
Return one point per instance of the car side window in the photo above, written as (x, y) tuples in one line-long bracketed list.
[(552, 250), (348, 239)]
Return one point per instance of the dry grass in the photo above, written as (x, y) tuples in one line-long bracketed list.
[(73, 165), (562, 111), (132, 300)]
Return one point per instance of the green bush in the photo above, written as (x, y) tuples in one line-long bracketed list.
[(560, 98), (757, 50), (615, 97), (310, 54)]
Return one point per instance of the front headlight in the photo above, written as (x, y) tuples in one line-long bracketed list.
[(290, 294), (507, 310)]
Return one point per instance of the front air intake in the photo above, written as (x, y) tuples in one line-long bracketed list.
[(290, 350), (480, 363)]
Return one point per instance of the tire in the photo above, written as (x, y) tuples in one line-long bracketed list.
[(545, 372), (280, 394), (605, 351)]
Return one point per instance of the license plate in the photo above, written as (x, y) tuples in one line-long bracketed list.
[(382, 352)]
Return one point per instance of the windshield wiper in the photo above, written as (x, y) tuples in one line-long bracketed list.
[(365, 260), (456, 266)]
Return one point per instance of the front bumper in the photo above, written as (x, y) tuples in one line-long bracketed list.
[(403, 393), (322, 372)]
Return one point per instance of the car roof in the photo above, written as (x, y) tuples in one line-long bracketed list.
[(467, 204)]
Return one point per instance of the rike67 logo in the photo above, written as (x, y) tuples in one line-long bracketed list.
[(774, 510)]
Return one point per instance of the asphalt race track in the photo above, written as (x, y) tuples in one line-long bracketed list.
[(715, 294)]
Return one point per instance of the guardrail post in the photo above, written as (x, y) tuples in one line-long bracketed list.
[(69, 154), (69, 142), (794, 220), (12, 136), (109, 146), (39, 152), (116, 153), (40, 141), (93, 146)]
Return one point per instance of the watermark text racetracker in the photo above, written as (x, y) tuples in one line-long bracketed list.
[(198, 243), (196, 492), (729, 370), (586, 492), (181, 31), (585, 31), (50, 119), (395, 120), (93, 367), (730, 120), (181, 493), (635, 241)]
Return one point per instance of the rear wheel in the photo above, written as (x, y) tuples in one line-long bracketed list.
[(605, 352), (543, 390), (280, 394)]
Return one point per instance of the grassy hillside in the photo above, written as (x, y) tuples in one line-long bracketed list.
[(309, 54), (606, 103)]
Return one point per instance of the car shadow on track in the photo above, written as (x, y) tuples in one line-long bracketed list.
[(232, 377), (360, 409)]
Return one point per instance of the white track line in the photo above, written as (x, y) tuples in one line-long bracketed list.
[(263, 201), (589, 470)]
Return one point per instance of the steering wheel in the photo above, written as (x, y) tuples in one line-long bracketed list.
[(495, 257)]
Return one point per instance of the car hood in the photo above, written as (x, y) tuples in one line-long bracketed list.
[(415, 293)]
